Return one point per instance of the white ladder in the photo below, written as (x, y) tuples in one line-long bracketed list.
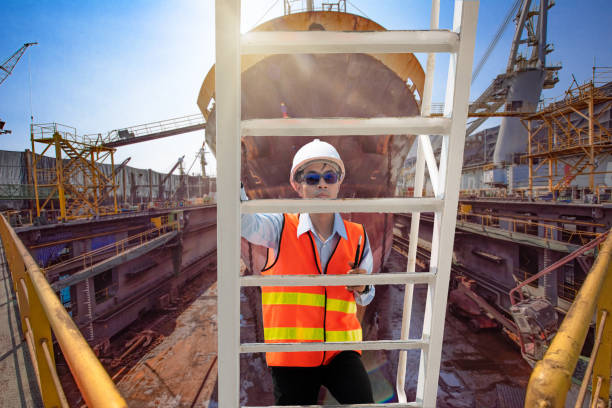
[(230, 45)]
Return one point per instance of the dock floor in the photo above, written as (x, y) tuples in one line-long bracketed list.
[(17, 378)]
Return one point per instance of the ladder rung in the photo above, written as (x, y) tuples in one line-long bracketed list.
[(414, 125), (412, 344), (345, 205), (338, 280), (372, 42), (382, 405)]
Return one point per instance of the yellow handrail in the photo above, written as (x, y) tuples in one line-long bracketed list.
[(551, 378), (41, 311)]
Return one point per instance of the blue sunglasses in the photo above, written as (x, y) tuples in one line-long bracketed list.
[(312, 178)]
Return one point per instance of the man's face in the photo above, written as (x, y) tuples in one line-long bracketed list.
[(321, 190)]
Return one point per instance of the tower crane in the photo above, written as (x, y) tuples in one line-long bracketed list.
[(5, 70)]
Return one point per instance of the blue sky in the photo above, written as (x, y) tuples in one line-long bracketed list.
[(103, 65)]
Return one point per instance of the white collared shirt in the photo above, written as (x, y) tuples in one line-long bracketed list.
[(265, 229)]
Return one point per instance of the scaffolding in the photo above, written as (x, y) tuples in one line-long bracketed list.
[(77, 183), (570, 138)]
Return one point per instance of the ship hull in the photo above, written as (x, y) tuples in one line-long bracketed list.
[(321, 86)]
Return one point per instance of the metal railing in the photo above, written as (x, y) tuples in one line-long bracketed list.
[(445, 178), (149, 128), (527, 226), (551, 378), (87, 259), (42, 315)]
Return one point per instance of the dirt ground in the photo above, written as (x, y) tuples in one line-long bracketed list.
[(473, 365)]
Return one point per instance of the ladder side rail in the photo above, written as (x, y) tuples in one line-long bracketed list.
[(227, 85), (415, 219), (451, 160), (400, 383)]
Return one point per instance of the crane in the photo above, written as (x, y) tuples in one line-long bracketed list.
[(7, 67), (5, 70), (518, 88), (161, 185)]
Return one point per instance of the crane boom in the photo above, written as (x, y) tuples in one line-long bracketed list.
[(7, 67)]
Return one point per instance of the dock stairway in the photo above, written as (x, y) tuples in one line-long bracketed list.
[(445, 178)]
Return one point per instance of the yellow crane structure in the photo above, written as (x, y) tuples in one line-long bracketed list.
[(77, 180), (82, 186), (570, 132)]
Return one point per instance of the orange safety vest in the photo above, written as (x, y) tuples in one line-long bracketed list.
[(294, 314)]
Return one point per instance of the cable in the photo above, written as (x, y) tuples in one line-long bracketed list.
[(262, 17), (30, 82), (359, 10), (196, 158), (493, 43)]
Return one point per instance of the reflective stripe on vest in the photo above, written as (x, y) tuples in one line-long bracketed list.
[(293, 334), (310, 313), (345, 335), (307, 299), (292, 298)]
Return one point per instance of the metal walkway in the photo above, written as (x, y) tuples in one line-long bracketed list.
[(17, 378)]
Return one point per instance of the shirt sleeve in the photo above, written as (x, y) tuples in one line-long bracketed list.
[(367, 263), (261, 229)]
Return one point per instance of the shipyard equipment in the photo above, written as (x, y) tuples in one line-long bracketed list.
[(7, 66), (536, 320), (154, 130), (549, 383), (162, 182), (519, 88), (5, 70), (570, 138), (77, 185), (74, 180)]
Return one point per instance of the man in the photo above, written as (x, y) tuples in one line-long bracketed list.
[(313, 244)]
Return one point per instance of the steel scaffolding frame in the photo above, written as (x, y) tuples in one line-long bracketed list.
[(569, 132), (77, 181)]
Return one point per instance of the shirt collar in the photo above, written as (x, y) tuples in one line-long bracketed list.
[(305, 225)]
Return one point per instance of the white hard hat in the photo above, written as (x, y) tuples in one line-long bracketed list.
[(315, 151)]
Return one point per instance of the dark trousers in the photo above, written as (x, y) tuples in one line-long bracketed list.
[(345, 377)]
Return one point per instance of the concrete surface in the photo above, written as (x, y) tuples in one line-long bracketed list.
[(17, 378)]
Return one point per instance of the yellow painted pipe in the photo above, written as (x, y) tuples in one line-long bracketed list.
[(603, 362), (551, 377), (95, 384)]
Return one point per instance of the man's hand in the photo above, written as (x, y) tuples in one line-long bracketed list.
[(358, 289)]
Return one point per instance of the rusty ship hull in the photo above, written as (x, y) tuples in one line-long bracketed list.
[(324, 86)]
